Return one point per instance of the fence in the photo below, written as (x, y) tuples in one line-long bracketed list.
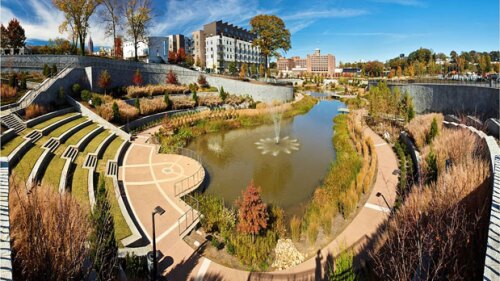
[(185, 185), (190, 217)]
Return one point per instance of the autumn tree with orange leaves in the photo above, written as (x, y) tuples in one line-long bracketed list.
[(252, 212)]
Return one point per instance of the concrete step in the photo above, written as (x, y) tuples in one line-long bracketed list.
[(111, 168), (52, 144), (14, 122), (34, 136), (90, 161)]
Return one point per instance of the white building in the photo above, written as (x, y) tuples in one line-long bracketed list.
[(129, 52), (220, 50)]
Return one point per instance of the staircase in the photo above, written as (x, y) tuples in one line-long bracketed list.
[(14, 122), (111, 168), (34, 136), (90, 161)]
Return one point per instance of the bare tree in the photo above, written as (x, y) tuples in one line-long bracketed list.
[(110, 15), (138, 15)]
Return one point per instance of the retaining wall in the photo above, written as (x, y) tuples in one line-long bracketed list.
[(121, 72), (96, 118), (479, 101), (7, 135)]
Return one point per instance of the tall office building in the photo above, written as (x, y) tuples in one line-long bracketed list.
[(225, 43)]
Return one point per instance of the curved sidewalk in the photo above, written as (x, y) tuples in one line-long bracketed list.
[(181, 262)]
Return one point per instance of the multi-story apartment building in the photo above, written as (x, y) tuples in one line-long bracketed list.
[(175, 42), (199, 48), (313, 63), (224, 43), (129, 51)]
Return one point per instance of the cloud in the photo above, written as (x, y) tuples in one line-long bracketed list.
[(43, 19), (320, 14), (402, 2), (186, 17)]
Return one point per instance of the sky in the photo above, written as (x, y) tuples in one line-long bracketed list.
[(352, 30)]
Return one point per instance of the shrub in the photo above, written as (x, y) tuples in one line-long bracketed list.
[(137, 104), (76, 89), (312, 232), (35, 110), (53, 70), (86, 95), (96, 100), (202, 81), (277, 221), (195, 98), (135, 266), (46, 70), (166, 100), (254, 252), (23, 85), (116, 112), (222, 94), (172, 78), (431, 168), (137, 78), (8, 91), (61, 96), (295, 228), (13, 80), (343, 269), (433, 131)]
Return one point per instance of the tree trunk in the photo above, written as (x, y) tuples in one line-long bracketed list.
[(135, 50), (82, 44), (265, 66)]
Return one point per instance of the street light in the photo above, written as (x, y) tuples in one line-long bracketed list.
[(383, 197), (157, 210)]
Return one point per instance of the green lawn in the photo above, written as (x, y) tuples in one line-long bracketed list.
[(75, 138), (95, 142), (52, 174), (8, 147), (121, 227), (25, 165), (64, 128), (53, 120)]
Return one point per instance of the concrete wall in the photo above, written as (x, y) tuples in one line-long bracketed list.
[(454, 99), (37, 120), (121, 73), (8, 135)]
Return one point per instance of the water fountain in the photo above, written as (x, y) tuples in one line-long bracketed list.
[(277, 145)]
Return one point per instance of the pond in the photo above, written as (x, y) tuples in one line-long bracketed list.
[(288, 178)]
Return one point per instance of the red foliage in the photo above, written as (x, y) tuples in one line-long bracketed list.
[(137, 78), (118, 47), (252, 212), (172, 58), (104, 80), (172, 78), (181, 55)]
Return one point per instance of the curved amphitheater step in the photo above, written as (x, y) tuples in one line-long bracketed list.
[(14, 122)]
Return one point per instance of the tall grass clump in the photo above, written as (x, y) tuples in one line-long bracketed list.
[(35, 110), (420, 127)]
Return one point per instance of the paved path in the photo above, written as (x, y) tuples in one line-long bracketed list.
[(149, 182)]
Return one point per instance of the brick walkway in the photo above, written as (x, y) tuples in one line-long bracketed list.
[(149, 181)]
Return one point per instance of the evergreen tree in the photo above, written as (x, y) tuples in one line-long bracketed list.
[(137, 104), (46, 70), (166, 99), (103, 249), (222, 94), (53, 70), (434, 130), (116, 112), (195, 98)]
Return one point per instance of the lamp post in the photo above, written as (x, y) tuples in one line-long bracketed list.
[(157, 210), (383, 197)]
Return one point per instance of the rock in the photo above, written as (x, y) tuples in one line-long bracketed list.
[(286, 255)]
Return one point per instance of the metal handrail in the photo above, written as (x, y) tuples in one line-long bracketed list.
[(183, 221), (185, 184)]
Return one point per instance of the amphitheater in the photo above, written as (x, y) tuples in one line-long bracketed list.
[(70, 148)]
